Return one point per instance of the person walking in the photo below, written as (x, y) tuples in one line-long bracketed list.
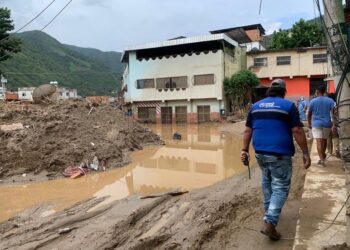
[(302, 107), (272, 123), (320, 120)]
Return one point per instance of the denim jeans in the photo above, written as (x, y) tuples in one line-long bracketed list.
[(276, 177)]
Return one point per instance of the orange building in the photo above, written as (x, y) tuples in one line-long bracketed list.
[(303, 69), (11, 96)]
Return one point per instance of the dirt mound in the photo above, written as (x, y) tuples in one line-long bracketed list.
[(66, 133)]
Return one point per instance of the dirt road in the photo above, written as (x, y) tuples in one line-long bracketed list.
[(226, 215)]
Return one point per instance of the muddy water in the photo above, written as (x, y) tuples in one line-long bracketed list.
[(202, 157)]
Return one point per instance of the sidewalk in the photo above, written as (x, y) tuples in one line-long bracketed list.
[(323, 197)]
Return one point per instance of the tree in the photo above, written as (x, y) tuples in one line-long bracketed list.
[(239, 88), (8, 45), (302, 34)]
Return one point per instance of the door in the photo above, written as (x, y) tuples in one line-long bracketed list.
[(147, 114), (167, 114), (314, 83), (181, 114), (203, 112)]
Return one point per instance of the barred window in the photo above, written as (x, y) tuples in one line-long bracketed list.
[(260, 61), (145, 84), (283, 60), (320, 58), (163, 83), (172, 82), (204, 79)]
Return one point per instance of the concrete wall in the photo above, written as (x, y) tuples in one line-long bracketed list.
[(2, 93), (254, 35), (301, 64), (210, 63), (25, 94), (253, 45), (63, 93), (192, 112)]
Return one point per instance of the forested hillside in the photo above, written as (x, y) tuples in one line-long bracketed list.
[(44, 59)]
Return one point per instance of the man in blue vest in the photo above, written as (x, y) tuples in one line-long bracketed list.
[(272, 123)]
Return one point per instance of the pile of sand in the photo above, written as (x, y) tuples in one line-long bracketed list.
[(66, 133)]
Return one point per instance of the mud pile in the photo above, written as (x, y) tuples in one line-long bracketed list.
[(65, 134)]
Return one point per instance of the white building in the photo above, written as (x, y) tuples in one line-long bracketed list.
[(181, 80), (2, 92), (25, 93), (3, 81), (65, 93)]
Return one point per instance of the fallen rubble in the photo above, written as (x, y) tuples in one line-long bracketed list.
[(52, 137)]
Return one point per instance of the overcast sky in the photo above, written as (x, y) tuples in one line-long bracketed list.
[(115, 24)]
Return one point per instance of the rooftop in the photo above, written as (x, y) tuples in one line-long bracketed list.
[(246, 27), (300, 50), (195, 40)]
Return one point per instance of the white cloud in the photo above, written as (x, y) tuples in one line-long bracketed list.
[(114, 24), (271, 27)]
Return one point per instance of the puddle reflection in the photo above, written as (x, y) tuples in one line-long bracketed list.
[(202, 157)]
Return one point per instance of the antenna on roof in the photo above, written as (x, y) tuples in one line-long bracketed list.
[(260, 7)]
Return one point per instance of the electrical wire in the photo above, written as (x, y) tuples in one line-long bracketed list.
[(30, 21), (56, 15), (335, 53), (260, 7), (47, 23)]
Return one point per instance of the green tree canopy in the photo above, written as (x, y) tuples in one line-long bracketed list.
[(239, 87), (302, 34), (8, 45)]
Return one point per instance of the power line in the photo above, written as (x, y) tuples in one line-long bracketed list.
[(260, 7), (35, 17), (32, 20), (56, 15), (47, 23)]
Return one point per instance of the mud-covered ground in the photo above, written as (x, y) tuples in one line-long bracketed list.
[(227, 215), (64, 134)]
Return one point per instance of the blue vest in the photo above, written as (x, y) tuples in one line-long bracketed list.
[(272, 120)]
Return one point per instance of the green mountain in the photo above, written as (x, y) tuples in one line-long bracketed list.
[(44, 59)]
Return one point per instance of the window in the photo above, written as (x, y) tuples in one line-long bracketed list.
[(172, 82), (203, 113), (320, 58), (283, 60), (181, 114), (260, 61), (145, 84), (147, 114), (204, 79)]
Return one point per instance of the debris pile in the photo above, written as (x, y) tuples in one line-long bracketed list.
[(71, 133)]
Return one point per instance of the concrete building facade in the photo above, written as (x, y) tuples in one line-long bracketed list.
[(25, 93), (303, 69), (180, 80), (65, 93), (2, 92)]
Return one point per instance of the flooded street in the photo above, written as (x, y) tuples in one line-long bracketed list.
[(201, 158)]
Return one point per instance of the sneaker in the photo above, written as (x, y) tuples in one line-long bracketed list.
[(269, 230)]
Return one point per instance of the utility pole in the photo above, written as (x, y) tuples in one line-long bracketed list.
[(336, 24)]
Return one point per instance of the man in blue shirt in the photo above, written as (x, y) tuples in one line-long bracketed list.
[(272, 123), (319, 117)]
